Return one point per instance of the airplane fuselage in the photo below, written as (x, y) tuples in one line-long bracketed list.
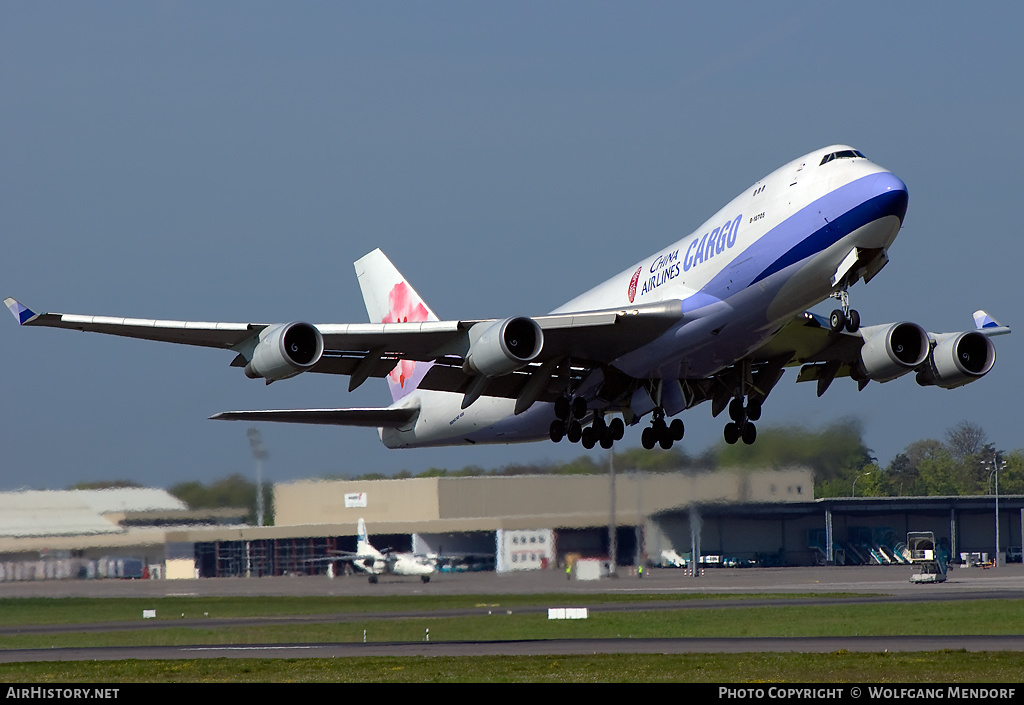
[(770, 253)]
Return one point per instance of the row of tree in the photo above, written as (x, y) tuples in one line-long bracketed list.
[(962, 464)]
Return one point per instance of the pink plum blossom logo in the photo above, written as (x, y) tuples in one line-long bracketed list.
[(404, 307), (633, 283)]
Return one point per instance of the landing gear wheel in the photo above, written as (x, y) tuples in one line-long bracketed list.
[(589, 437), (732, 433), (574, 432), (837, 321), (557, 430), (617, 429), (562, 408), (749, 434), (753, 410), (648, 439), (677, 429), (579, 407), (853, 321), (736, 410)]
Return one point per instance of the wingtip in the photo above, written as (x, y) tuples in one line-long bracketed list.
[(988, 325), (984, 320), (21, 312)]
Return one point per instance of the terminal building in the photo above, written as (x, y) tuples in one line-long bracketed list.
[(530, 522)]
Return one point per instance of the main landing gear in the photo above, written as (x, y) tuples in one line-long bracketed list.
[(661, 433), (568, 424), (742, 426), (844, 317)]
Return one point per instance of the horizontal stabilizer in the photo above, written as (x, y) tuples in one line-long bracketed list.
[(369, 417)]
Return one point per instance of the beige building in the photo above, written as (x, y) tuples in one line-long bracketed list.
[(526, 501)]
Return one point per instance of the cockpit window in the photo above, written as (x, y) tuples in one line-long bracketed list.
[(845, 154)]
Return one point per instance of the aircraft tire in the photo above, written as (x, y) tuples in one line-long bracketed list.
[(677, 429), (732, 433), (617, 428), (574, 431), (589, 437), (749, 434), (579, 407), (562, 408), (648, 439), (557, 430), (753, 410), (736, 409), (837, 321), (853, 321)]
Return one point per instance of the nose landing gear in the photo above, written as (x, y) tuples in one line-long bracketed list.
[(844, 317)]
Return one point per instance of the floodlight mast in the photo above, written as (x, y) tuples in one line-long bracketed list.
[(997, 459), (260, 454)]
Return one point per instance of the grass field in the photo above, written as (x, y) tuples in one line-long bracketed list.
[(345, 619)]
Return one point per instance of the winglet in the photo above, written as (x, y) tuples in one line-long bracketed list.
[(20, 311), (988, 325)]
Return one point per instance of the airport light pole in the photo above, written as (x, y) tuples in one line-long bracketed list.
[(260, 454), (997, 458), (613, 569), (853, 490)]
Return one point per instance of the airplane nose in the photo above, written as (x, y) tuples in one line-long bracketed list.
[(892, 196)]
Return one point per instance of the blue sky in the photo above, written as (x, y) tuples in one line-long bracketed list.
[(229, 161)]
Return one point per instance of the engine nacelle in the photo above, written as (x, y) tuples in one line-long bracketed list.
[(958, 358), (892, 350), (285, 350), (503, 347)]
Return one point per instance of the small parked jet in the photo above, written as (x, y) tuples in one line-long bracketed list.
[(369, 559), (714, 317)]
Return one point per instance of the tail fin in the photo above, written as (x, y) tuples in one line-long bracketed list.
[(389, 298), (363, 546)]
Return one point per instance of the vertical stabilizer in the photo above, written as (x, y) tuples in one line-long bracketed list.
[(363, 547), (389, 298)]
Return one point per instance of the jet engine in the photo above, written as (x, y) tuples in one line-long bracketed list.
[(892, 350), (285, 350), (958, 358), (503, 347)]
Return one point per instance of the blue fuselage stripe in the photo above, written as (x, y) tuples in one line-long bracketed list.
[(892, 202)]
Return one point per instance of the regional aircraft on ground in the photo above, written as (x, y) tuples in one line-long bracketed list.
[(369, 559), (714, 317)]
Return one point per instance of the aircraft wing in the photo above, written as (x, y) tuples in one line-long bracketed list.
[(879, 353), (364, 350)]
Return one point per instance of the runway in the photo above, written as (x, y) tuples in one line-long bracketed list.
[(891, 581), (842, 585)]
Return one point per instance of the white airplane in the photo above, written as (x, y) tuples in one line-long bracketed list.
[(715, 316), (369, 559)]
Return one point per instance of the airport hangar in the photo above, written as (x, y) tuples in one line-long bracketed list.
[(524, 522)]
